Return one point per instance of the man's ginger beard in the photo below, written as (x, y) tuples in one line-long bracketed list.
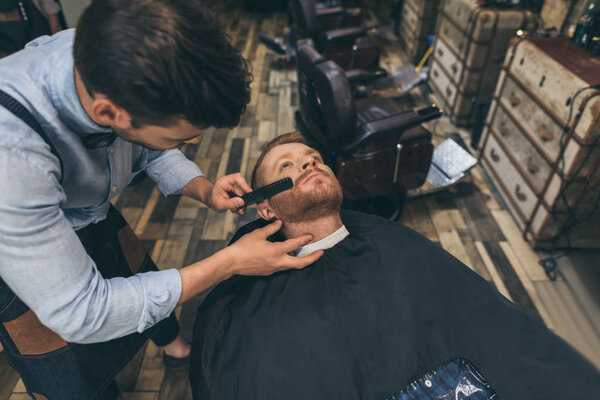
[(296, 205)]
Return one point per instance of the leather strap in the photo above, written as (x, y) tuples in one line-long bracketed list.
[(12, 105)]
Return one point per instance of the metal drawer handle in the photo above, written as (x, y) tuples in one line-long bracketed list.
[(440, 52), (435, 73), (446, 31), (514, 101), (449, 92), (532, 167), (495, 157), (520, 195), (454, 68), (546, 135), (504, 131)]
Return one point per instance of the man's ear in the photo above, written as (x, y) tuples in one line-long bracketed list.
[(265, 211), (106, 113)]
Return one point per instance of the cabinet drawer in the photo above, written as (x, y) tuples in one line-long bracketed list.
[(457, 104), (409, 18), (421, 26), (473, 54), (544, 131), (511, 184), (445, 57), (540, 126), (562, 195), (424, 8), (531, 163), (442, 83), (554, 85), (467, 80), (465, 13)]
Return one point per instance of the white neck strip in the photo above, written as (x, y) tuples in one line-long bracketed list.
[(323, 244)]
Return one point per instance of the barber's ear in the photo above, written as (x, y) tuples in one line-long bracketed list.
[(265, 211), (106, 113)]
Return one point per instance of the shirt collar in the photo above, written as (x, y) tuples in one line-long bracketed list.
[(65, 99), (323, 244)]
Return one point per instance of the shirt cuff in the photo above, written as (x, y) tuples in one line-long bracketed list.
[(162, 291)]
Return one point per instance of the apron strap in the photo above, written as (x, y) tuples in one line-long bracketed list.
[(12, 105)]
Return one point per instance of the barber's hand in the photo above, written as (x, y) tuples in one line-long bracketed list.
[(253, 254), (225, 191)]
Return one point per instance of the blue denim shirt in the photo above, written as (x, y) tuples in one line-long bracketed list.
[(41, 258)]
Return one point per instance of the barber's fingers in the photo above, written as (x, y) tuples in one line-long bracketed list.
[(238, 184), (222, 203), (268, 230), (292, 244), (301, 262)]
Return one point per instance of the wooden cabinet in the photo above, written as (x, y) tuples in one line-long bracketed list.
[(417, 22), (540, 144), (470, 44)]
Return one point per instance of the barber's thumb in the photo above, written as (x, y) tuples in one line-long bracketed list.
[(236, 202), (299, 241), (305, 239), (270, 229)]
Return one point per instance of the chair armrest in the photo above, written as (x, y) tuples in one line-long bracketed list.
[(339, 12), (390, 125), (330, 12), (343, 34), (353, 12), (361, 76)]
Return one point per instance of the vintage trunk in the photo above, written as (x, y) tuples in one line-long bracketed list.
[(470, 44), (417, 22), (540, 143)]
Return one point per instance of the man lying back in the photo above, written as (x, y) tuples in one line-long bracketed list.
[(381, 308)]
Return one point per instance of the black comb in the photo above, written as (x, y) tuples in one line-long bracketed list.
[(265, 192)]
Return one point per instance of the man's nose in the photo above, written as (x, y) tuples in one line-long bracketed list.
[(310, 162)]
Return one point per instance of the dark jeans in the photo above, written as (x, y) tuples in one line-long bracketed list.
[(56, 370), (457, 379)]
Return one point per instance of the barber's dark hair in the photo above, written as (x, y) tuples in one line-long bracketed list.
[(290, 137), (161, 60)]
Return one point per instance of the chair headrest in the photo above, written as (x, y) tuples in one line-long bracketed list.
[(336, 99), (305, 15), (308, 56), (326, 100)]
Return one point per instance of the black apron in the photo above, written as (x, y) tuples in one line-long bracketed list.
[(50, 367), (14, 35)]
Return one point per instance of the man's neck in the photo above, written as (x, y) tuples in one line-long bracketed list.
[(319, 228)]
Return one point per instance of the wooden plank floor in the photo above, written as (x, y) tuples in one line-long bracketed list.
[(469, 220)]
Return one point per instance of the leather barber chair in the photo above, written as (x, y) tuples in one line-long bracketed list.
[(328, 16), (349, 47), (359, 79), (375, 148)]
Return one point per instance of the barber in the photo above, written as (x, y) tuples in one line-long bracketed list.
[(81, 113)]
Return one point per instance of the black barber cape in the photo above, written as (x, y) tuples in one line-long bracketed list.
[(378, 310)]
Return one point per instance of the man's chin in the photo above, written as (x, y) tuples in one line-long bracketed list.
[(312, 202)]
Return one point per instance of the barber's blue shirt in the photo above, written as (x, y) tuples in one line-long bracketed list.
[(41, 257)]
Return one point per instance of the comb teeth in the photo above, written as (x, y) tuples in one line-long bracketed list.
[(267, 191)]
